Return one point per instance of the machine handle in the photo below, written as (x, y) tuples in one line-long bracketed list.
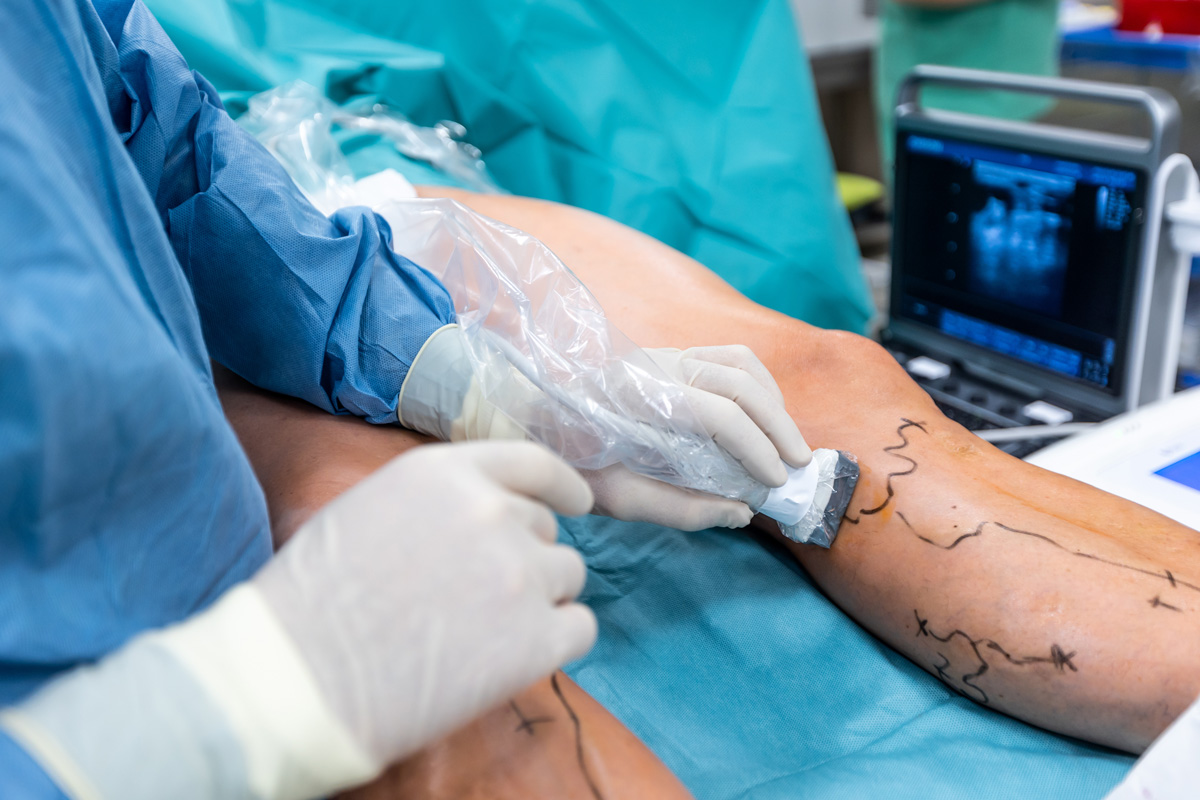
[(1159, 106)]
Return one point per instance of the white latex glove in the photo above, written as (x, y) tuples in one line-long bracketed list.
[(425, 595), (741, 407), (435, 589)]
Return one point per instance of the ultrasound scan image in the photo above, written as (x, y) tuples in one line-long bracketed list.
[(1019, 239)]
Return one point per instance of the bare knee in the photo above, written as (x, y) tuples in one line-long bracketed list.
[(848, 357)]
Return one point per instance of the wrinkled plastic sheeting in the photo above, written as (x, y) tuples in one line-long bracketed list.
[(295, 122), (526, 319)]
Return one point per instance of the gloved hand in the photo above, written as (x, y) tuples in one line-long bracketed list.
[(435, 589), (729, 390), (741, 407), (425, 595)]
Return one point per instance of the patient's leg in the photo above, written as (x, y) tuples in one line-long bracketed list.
[(1023, 590), (551, 742)]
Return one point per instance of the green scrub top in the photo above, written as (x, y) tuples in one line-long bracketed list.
[(1001, 35), (696, 123)]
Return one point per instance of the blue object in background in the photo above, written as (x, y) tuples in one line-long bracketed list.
[(1171, 53), (695, 123), (721, 655)]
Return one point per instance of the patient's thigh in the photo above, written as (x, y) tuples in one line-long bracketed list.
[(302, 456), (553, 741)]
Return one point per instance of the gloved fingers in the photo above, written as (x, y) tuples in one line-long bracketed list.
[(733, 430), (563, 572), (698, 512), (533, 516), (625, 495), (760, 405), (574, 629), (533, 471), (738, 356)]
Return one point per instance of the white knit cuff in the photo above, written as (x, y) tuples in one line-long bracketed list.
[(220, 707)]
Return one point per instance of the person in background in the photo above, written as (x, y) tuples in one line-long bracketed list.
[(1001, 35)]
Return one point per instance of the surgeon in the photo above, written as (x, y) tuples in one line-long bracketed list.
[(150, 647)]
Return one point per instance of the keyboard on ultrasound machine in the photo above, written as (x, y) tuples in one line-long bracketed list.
[(975, 406)]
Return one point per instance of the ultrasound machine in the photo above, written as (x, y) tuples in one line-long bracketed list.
[(1031, 288)]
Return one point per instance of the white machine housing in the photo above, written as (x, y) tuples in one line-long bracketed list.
[(1124, 456)]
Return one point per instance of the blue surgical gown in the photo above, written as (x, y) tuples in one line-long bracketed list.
[(141, 234)]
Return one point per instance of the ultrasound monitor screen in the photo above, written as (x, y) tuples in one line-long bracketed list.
[(1023, 254)]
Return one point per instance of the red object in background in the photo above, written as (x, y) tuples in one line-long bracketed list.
[(1169, 16)]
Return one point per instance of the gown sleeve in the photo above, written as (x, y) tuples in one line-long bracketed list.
[(311, 306)]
